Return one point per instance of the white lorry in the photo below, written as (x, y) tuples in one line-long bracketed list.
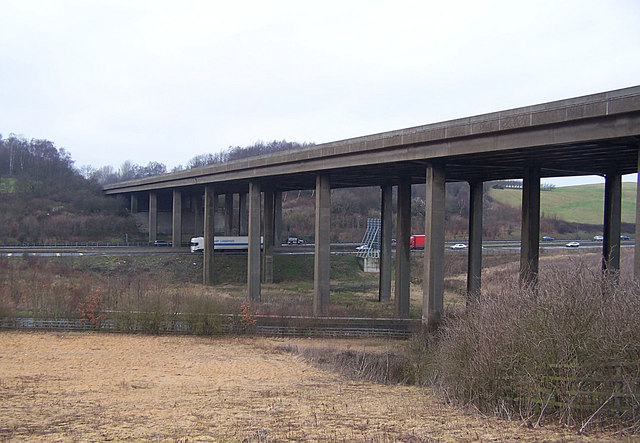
[(222, 242)]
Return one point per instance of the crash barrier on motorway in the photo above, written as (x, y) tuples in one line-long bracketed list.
[(91, 244), (214, 324)]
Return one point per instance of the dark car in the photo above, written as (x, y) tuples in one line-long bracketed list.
[(547, 238), (161, 243), (624, 237)]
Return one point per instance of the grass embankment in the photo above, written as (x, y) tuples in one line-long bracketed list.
[(168, 283), (575, 204)]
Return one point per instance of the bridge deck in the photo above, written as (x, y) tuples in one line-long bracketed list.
[(587, 135)]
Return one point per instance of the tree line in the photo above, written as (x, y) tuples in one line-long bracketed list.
[(39, 159), (44, 198)]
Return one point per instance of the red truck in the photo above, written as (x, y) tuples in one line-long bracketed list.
[(416, 242)]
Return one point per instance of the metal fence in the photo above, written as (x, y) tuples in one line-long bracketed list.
[(274, 326)]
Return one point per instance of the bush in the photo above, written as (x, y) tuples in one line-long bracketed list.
[(202, 315), (381, 367), (565, 347)]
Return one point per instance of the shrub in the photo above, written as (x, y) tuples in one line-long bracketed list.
[(202, 314), (91, 309), (566, 348)]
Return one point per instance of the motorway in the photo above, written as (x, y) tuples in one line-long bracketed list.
[(336, 248)]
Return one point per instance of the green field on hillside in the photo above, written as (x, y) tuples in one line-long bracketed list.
[(7, 185), (576, 204)]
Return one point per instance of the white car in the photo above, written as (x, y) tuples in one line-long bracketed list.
[(572, 244), (598, 238), (459, 246)]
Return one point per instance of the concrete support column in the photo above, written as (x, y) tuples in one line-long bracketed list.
[(433, 286), (209, 233), (612, 221), (196, 203), (253, 256), (636, 253), (403, 237), (277, 220), (242, 214), (267, 249), (386, 212), (530, 231), (228, 212), (134, 203), (153, 217), (474, 265), (176, 233), (321, 284)]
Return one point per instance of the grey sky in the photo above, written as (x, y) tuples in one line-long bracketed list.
[(159, 80)]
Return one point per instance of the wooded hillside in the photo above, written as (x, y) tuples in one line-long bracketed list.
[(43, 198)]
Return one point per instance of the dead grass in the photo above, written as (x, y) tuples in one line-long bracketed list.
[(93, 387)]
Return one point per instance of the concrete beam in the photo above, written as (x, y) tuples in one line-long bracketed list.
[(228, 213), (386, 220), (474, 264), (530, 231), (403, 257), (253, 256), (636, 252), (277, 218), (198, 221), (176, 232), (134, 203), (242, 214), (267, 250), (209, 234), (216, 203), (321, 268), (612, 221), (433, 286), (153, 217)]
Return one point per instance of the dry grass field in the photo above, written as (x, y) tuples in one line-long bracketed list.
[(110, 387)]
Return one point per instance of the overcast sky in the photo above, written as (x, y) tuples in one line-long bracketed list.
[(165, 81)]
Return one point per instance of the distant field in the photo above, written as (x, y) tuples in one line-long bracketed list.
[(577, 204)]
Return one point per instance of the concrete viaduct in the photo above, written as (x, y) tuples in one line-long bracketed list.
[(595, 134)]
